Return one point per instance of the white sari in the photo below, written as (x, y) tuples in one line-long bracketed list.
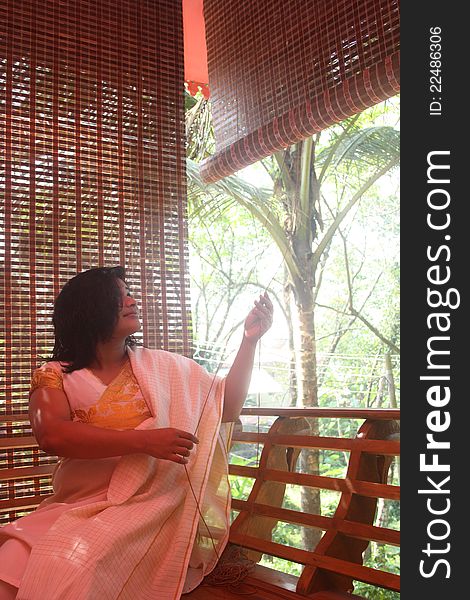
[(129, 527)]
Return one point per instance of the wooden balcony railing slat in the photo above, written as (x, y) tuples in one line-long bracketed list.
[(387, 414), (9, 443), (26, 472), (22, 503), (360, 573), (384, 447), (332, 413), (381, 535), (364, 488), (283, 514), (359, 530), (15, 418), (376, 490)]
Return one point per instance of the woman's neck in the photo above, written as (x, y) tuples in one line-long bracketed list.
[(109, 355)]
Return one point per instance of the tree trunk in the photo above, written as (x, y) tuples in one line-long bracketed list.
[(390, 380), (309, 459), (308, 358)]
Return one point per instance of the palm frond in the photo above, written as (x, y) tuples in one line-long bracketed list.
[(371, 146), (208, 201), (209, 198)]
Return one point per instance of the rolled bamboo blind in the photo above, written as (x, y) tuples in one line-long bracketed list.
[(92, 173), (282, 70)]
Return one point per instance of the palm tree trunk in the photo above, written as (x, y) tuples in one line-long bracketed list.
[(310, 497), (308, 358), (293, 388)]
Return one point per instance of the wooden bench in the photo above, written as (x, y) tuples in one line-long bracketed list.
[(330, 569)]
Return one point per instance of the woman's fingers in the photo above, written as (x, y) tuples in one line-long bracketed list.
[(180, 455), (182, 451), (178, 459), (264, 304), (186, 436), (169, 443), (265, 300), (185, 443)]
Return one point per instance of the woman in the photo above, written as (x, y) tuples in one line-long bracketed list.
[(142, 435)]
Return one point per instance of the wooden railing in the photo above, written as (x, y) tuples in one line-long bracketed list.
[(331, 567), (25, 471), (335, 562)]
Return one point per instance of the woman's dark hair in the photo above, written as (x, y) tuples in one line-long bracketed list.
[(86, 312)]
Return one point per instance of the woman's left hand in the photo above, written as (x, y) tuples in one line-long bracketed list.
[(260, 319)]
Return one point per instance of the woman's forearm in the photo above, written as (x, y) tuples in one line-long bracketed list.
[(238, 380), (79, 440)]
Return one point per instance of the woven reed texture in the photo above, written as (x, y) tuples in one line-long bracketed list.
[(92, 173), (282, 70)]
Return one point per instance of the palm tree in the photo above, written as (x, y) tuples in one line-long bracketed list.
[(294, 217)]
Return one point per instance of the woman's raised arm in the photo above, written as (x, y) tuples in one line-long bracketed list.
[(237, 382)]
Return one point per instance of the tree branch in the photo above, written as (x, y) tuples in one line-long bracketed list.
[(342, 214)]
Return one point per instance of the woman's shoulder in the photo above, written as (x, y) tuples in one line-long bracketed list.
[(51, 365), (50, 375)]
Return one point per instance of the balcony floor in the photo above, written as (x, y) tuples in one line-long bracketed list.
[(264, 584)]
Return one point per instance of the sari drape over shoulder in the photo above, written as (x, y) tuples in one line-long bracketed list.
[(129, 527)]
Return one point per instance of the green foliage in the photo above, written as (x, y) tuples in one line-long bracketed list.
[(385, 558), (279, 564), (227, 256), (374, 593), (240, 486), (189, 101), (370, 236)]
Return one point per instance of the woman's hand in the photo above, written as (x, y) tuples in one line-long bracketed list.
[(260, 319), (169, 444)]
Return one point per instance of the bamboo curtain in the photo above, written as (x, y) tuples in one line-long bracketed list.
[(282, 70), (92, 172)]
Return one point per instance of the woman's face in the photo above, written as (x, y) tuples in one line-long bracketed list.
[(128, 321)]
